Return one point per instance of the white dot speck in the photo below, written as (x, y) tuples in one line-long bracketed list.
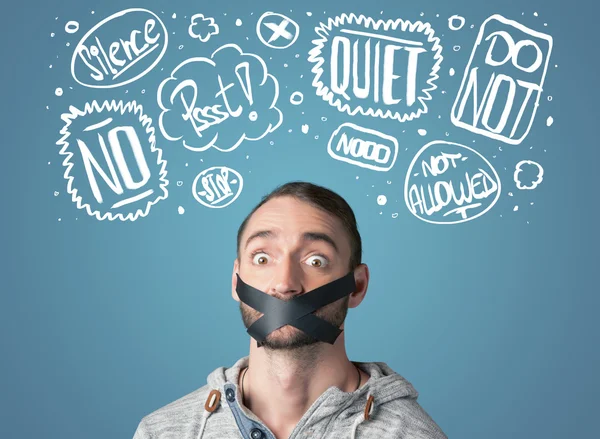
[(456, 48), (181, 47), (59, 219), (285, 65), (52, 35), (174, 15), (309, 14), (422, 132), (549, 121), (186, 165), (253, 116), (535, 14), (515, 208), (58, 91), (271, 143), (451, 72), (181, 210), (381, 200), (357, 177), (394, 215), (238, 22)]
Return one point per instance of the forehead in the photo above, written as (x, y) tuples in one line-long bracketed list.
[(290, 218)]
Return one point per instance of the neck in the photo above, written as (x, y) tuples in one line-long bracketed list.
[(280, 386)]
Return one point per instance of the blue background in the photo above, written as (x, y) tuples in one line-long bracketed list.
[(491, 320)]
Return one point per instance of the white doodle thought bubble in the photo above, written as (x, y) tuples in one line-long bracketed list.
[(120, 49), (219, 101), (114, 170), (217, 187), (502, 84), (377, 68), (363, 147), (524, 170), (449, 183)]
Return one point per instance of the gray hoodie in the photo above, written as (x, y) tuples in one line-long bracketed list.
[(385, 407)]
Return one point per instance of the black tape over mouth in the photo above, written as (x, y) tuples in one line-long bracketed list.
[(297, 311)]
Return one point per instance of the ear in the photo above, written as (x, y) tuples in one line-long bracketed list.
[(236, 269), (361, 277)]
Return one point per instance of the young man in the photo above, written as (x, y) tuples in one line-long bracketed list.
[(298, 270)]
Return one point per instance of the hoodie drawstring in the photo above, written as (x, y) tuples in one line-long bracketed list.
[(363, 416), (211, 404)]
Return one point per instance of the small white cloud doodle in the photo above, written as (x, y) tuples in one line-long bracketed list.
[(217, 187), (114, 169), (105, 59), (219, 101), (529, 168), (202, 28), (447, 180)]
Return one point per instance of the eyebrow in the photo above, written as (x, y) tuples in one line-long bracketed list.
[(306, 236)]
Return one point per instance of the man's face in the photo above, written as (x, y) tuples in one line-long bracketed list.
[(287, 249)]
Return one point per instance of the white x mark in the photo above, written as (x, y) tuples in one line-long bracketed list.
[(279, 31)]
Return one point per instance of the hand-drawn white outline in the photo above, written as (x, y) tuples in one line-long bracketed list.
[(211, 23), (278, 30), (204, 203), (461, 21), (466, 80), (354, 140), (410, 172), (129, 107), (71, 27), (297, 94), (243, 137), (539, 179), (330, 97), (100, 24)]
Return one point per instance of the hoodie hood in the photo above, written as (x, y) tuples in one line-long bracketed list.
[(383, 386)]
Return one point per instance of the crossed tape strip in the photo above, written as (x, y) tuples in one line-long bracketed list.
[(297, 311)]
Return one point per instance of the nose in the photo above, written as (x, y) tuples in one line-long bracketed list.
[(287, 279)]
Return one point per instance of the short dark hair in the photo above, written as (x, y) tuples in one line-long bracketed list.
[(321, 198)]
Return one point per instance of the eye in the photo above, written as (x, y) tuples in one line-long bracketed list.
[(318, 261), (259, 258)]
